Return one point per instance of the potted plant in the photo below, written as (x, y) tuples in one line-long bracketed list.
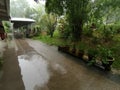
[(92, 55), (106, 56), (63, 47), (80, 50), (92, 52)]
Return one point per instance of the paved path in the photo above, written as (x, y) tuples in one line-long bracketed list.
[(69, 73), (11, 78), (43, 67)]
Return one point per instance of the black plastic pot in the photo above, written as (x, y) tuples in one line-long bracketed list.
[(63, 48), (80, 54), (90, 57), (107, 66)]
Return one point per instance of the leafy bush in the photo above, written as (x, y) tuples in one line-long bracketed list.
[(104, 54), (87, 31)]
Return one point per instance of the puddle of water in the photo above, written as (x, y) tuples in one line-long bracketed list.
[(59, 68), (34, 70)]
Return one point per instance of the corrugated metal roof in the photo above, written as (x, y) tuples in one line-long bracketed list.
[(22, 20), (19, 22)]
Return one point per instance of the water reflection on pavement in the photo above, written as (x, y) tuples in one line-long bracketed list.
[(44, 68), (34, 70), (69, 73)]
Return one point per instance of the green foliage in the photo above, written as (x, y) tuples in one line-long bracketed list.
[(116, 50), (79, 16), (55, 6), (63, 28), (82, 46), (87, 31), (105, 54), (107, 33), (37, 13), (7, 26), (92, 51), (76, 11), (48, 23), (116, 28), (101, 53), (51, 41), (116, 63)]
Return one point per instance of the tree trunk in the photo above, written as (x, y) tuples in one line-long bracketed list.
[(76, 31)]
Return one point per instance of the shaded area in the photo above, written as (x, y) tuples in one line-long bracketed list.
[(11, 76)]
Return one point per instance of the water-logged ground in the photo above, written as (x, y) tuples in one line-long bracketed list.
[(43, 67), (37, 66), (34, 70), (10, 74)]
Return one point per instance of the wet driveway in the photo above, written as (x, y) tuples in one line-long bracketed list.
[(43, 67)]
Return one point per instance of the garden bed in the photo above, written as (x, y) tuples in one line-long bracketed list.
[(87, 58)]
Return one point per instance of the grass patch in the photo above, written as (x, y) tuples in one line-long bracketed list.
[(55, 40), (48, 40)]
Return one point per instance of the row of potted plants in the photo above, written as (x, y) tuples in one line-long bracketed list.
[(99, 56)]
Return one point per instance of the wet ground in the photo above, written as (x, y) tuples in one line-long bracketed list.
[(43, 67)]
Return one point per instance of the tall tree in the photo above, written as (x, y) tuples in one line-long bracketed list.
[(38, 13), (49, 22), (105, 11), (76, 11)]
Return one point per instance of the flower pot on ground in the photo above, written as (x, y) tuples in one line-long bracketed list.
[(63, 48), (85, 57), (72, 51), (80, 49), (92, 53), (80, 53), (106, 57), (107, 65)]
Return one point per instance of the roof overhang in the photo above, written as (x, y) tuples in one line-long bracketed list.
[(4, 10), (19, 22)]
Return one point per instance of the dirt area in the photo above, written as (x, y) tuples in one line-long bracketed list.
[(33, 65)]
